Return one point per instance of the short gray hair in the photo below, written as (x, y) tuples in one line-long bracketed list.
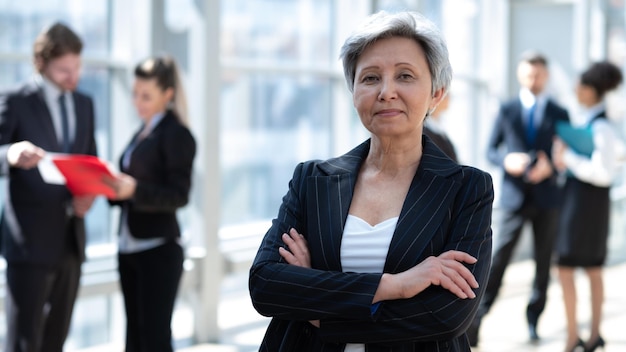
[(410, 25)]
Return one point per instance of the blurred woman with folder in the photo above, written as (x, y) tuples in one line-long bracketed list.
[(584, 225), (155, 181)]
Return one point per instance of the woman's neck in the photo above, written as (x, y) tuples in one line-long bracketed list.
[(392, 157)]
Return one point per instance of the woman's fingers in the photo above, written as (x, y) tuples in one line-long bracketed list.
[(297, 251), (453, 275)]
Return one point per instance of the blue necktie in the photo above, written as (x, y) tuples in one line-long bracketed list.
[(530, 125), (65, 127)]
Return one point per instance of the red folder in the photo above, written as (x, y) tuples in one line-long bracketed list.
[(84, 174)]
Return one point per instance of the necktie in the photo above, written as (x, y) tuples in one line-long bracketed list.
[(530, 125), (65, 127)]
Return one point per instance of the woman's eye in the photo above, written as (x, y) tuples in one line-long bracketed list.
[(367, 79), (405, 76)]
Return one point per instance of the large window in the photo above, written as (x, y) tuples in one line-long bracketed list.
[(276, 99)]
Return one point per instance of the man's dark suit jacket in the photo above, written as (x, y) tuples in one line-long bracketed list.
[(509, 135), (162, 165), (447, 207), (34, 218)]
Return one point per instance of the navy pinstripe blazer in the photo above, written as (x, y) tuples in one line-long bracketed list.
[(448, 206)]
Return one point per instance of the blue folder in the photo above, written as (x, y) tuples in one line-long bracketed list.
[(580, 139)]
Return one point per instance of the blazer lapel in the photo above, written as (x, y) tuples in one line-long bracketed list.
[(425, 210), (328, 200), (518, 121), (44, 117), (80, 132)]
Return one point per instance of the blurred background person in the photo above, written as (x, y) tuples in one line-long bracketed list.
[(388, 246), (433, 128), (43, 227), (584, 223), (154, 183), (521, 143)]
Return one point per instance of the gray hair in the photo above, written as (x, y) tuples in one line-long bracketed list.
[(412, 25)]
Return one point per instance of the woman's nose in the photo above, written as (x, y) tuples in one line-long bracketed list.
[(387, 90)]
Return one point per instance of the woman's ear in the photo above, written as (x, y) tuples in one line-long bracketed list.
[(437, 97), (169, 94)]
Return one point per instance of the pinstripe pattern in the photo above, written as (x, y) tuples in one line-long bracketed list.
[(447, 207)]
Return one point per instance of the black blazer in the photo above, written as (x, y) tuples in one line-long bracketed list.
[(34, 219), (162, 165), (447, 207), (442, 141), (508, 135)]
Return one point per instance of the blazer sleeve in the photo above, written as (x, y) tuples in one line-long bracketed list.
[(7, 126), (285, 291), (495, 154), (436, 313), (178, 149)]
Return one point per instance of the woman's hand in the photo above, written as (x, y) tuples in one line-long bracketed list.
[(123, 185), (82, 204), (446, 270), (298, 252)]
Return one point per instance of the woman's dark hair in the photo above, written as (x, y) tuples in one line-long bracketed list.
[(164, 70), (602, 76), (54, 42)]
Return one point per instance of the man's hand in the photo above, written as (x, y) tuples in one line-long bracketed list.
[(541, 170), (24, 155), (515, 164), (558, 151)]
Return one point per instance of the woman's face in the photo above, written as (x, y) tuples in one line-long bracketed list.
[(149, 98), (586, 95), (392, 88)]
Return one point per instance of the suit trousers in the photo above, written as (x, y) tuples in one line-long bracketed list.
[(544, 225), (39, 304), (149, 281)]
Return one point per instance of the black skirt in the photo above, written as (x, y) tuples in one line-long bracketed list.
[(584, 226)]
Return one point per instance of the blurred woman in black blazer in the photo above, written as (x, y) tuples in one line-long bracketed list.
[(155, 181)]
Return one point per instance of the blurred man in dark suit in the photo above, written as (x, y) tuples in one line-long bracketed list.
[(42, 226)]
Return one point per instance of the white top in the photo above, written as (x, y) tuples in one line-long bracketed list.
[(608, 154), (364, 250)]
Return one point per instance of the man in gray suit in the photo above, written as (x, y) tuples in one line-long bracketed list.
[(521, 144), (42, 225)]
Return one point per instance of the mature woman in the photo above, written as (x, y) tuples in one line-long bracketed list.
[(584, 225), (383, 248), (155, 182)]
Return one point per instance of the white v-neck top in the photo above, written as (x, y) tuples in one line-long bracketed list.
[(364, 250), (364, 247)]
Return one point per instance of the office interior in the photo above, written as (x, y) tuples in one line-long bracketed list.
[(266, 90)]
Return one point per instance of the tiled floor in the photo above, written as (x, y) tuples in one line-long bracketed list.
[(503, 329)]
